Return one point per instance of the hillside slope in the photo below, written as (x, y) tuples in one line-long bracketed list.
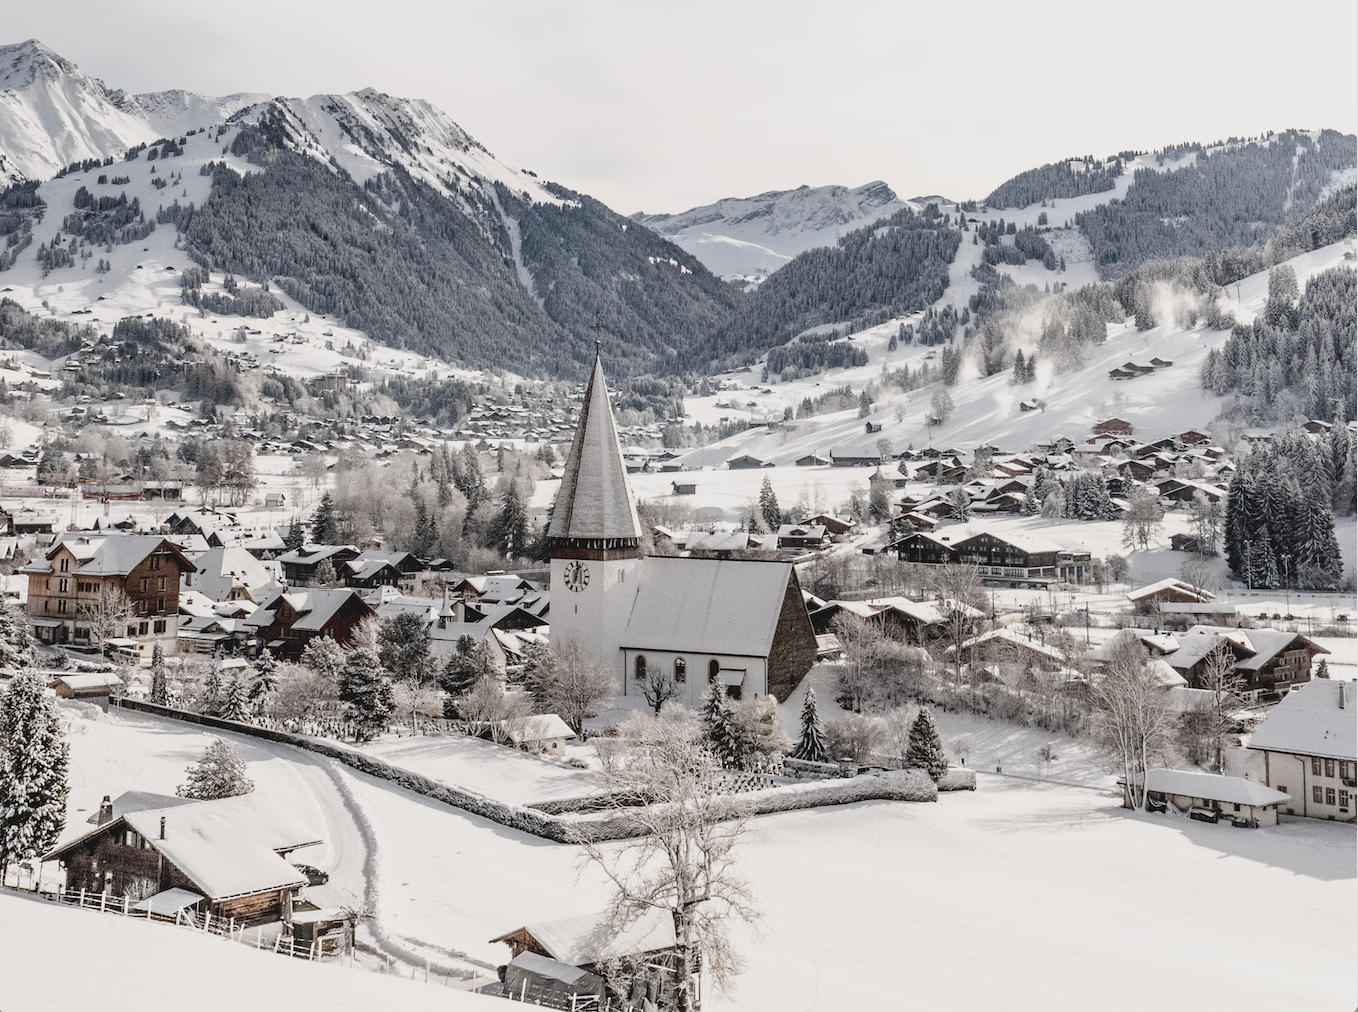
[(751, 237)]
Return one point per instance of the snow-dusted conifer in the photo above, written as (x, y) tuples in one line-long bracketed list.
[(366, 688), (33, 764), (716, 721), (925, 751), (160, 683), (236, 701), (811, 745), (265, 680), (219, 774), (210, 697), (16, 649)]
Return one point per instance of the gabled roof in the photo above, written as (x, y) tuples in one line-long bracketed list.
[(113, 554), (1212, 787), (714, 606), (314, 608), (227, 847), (1318, 718), (592, 938), (1170, 584), (593, 501)]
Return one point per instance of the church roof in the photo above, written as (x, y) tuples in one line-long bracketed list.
[(593, 501), (707, 606)]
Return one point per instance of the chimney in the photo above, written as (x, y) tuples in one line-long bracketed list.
[(162, 827), (106, 811), (1341, 695)]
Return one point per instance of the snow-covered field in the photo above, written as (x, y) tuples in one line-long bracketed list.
[(1021, 895)]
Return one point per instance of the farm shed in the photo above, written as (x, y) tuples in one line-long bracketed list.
[(1211, 797)]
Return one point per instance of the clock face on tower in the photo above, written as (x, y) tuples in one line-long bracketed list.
[(576, 576)]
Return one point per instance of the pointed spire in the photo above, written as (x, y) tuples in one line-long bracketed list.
[(593, 502)]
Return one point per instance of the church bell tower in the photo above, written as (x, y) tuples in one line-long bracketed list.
[(594, 536)]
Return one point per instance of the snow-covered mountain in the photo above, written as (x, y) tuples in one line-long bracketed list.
[(377, 210), (754, 236), (53, 114)]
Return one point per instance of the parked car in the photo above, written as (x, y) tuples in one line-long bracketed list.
[(314, 876)]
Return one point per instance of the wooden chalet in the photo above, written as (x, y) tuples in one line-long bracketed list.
[(300, 566), (229, 856), (1114, 427), (288, 621), (745, 462), (812, 460), (591, 941)]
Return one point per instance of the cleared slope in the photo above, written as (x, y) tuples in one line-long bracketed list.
[(757, 235)]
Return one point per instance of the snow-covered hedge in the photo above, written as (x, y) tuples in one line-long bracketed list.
[(893, 785), (958, 778)]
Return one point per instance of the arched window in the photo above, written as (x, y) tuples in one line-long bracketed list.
[(713, 669), (680, 671), (640, 666)]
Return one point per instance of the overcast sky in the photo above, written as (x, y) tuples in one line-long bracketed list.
[(660, 107)]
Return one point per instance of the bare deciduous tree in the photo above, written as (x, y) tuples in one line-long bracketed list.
[(571, 683), (681, 860), (107, 613), (960, 598), (1131, 717)]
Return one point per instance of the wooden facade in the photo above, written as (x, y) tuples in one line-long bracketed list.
[(61, 597)]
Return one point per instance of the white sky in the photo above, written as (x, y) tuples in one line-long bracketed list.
[(660, 107)]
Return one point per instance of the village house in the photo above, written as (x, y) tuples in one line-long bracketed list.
[(288, 621), (1209, 797), (300, 567), (1310, 746), (802, 536), (72, 589), (590, 943), (95, 687), (1009, 559), (1148, 598), (1271, 662), (227, 858), (233, 574)]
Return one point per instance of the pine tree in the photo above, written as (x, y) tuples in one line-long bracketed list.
[(160, 687), (925, 750), (509, 529), (864, 405), (768, 506), (1322, 669), (210, 698), (296, 535), (236, 701), (1020, 368), (891, 343), (219, 774), (811, 745), (325, 524), (34, 758), (718, 733), (366, 688), (265, 681), (16, 650)]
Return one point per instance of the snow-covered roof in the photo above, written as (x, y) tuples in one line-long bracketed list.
[(227, 847), (590, 938), (1170, 584), (1318, 718), (168, 902), (1008, 635), (98, 680), (314, 608), (1213, 787), (545, 966), (112, 554), (221, 570), (593, 501), (711, 606), (542, 727)]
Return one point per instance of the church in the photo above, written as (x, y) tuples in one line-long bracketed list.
[(740, 624)]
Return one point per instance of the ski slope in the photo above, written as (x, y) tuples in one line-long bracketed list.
[(987, 409)]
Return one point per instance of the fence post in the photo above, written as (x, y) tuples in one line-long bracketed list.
[(259, 931), (126, 899), (103, 901), (231, 930), (207, 921), (82, 897)]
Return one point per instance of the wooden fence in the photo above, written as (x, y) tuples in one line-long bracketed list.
[(122, 906)]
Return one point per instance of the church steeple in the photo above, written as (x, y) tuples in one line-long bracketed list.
[(593, 509)]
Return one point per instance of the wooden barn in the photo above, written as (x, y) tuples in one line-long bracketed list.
[(231, 854)]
